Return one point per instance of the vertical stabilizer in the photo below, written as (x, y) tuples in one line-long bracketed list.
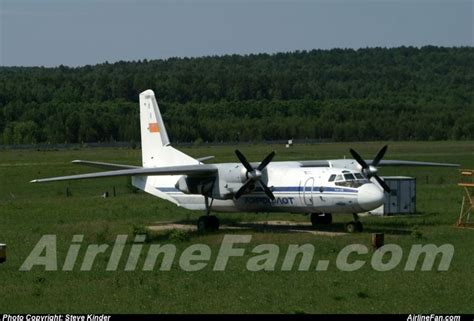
[(156, 149)]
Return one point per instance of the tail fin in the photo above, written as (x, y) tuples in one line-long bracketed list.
[(156, 149)]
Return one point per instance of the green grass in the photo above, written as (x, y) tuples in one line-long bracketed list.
[(28, 211)]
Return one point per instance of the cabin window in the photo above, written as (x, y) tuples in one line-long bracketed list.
[(339, 178), (332, 178)]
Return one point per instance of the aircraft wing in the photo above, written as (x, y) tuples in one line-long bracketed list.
[(103, 165), (412, 163), (120, 166), (191, 170), (352, 164)]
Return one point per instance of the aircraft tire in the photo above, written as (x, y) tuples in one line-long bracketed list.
[(354, 227), (321, 219), (213, 223), (326, 218), (315, 219), (207, 223), (351, 227), (203, 223)]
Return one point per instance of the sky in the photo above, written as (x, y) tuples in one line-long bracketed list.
[(80, 32)]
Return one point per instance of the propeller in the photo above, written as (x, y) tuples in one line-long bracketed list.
[(371, 170), (254, 175)]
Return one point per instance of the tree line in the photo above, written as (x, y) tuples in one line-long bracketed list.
[(403, 93)]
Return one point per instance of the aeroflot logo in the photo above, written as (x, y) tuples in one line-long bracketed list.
[(267, 201), (259, 257)]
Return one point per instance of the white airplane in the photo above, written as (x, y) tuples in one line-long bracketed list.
[(320, 187)]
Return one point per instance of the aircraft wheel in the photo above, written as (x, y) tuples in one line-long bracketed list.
[(214, 223), (315, 219), (326, 218), (203, 223), (207, 223), (351, 227), (321, 219)]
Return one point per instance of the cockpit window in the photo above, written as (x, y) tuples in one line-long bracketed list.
[(349, 177), (358, 176), (332, 178)]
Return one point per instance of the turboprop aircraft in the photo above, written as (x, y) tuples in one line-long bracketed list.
[(320, 187)]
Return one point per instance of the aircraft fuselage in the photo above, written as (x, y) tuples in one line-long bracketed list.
[(296, 189)]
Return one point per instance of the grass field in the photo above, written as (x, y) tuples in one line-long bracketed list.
[(28, 211)]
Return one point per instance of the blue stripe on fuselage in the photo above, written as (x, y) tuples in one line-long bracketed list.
[(285, 189)]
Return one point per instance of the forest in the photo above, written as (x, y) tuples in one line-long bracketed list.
[(403, 93)]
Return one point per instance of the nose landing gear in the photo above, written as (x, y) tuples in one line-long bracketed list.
[(355, 225)]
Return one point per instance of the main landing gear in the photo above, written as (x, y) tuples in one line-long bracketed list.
[(355, 225), (208, 222), (321, 219)]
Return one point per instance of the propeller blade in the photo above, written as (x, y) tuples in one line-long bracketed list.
[(359, 159), (267, 190), (243, 189), (382, 183), (379, 156), (243, 160), (266, 161)]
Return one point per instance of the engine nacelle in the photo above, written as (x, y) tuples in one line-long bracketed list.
[(230, 180), (195, 185), (224, 185), (183, 186)]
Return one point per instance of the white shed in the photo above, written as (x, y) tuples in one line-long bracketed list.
[(402, 198)]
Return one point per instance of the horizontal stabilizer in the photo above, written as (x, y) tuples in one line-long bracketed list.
[(205, 158), (190, 170)]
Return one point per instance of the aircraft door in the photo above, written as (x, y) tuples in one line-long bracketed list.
[(308, 191)]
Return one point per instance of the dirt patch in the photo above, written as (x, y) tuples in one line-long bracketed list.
[(280, 226)]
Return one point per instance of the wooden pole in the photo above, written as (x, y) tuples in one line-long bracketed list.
[(3, 253), (377, 240)]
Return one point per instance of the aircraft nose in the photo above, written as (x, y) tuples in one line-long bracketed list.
[(370, 197)]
